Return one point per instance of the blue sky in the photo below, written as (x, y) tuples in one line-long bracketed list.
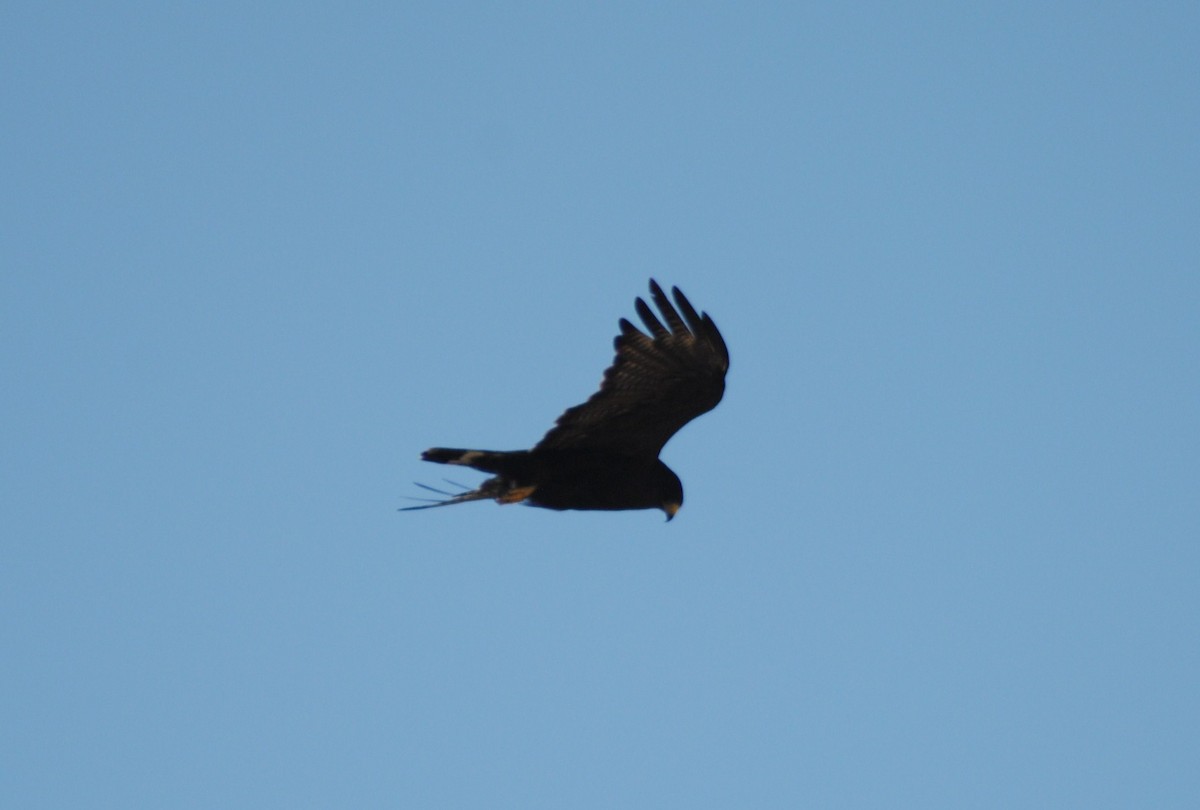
[(940, 545)]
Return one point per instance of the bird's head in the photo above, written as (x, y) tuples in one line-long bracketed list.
[(670, 491)]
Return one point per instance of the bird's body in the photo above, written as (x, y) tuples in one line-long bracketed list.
[(603, 454), (565, 479)]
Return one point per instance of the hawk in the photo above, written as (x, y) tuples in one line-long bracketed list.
[(603, 454)]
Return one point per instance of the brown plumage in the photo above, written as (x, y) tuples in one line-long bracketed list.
[(603, 454)]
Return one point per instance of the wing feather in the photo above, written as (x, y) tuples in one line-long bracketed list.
[(668, 311), (656, 384), (652, 323)]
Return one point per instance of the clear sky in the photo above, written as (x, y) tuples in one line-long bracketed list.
[(941, 542)]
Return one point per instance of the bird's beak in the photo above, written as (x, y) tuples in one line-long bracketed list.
[(670, 509)]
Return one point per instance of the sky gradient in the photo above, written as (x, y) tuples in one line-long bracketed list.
[(940, 541)]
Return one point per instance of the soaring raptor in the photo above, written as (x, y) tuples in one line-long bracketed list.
[(603, 454)]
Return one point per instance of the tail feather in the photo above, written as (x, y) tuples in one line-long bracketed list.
[(501, 464), (491, 461)]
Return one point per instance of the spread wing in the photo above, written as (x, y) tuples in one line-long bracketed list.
[(656, 385)]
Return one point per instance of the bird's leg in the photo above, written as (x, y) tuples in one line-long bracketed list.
[(516, 494)]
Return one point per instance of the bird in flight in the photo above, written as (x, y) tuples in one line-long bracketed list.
[(603, 454)]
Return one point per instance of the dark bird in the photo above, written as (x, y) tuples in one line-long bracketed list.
[(603, 454)]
